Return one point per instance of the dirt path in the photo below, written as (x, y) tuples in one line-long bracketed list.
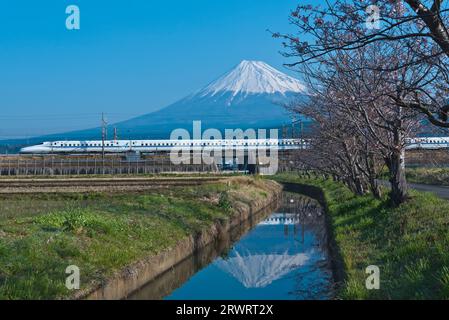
[(440, 191)]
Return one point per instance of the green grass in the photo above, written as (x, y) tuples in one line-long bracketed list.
[(409, 244), (40, 235)]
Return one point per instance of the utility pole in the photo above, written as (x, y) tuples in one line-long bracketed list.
[(301, 126), (103, 134), (115, 133), (293, 128)]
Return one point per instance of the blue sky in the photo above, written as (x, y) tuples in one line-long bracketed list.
[(128, 58)]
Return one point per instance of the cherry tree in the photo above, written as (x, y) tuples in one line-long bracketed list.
[(418, 28), (365, 105)]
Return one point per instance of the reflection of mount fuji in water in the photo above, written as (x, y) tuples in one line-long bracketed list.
[(270, 253), (260, 270), (272, 261)]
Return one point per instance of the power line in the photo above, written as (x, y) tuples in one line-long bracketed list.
[(63, 117)]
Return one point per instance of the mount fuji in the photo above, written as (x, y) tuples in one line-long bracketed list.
[(252, 95), (252, 78)]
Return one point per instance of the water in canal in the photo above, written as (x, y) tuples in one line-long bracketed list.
[(280, 254)]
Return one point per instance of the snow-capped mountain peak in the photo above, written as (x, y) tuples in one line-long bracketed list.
[(253, 77)]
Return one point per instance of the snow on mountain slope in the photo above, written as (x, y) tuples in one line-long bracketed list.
[(253, 77)]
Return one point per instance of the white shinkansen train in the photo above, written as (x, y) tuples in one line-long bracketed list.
[(427, 143), (143, 146)]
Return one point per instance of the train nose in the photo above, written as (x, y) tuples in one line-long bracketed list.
[(32, 149)]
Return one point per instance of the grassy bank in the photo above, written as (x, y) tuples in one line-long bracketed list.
[(40, 235), (409, 244)]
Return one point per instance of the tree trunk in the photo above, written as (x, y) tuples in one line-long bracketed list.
[(360, 190), (398, 181), (370, 163), (375, 189)]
